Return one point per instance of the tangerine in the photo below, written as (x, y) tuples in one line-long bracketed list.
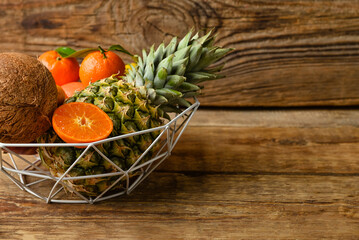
[(71, 88), (80, 122), (100, 64), (64, 70)]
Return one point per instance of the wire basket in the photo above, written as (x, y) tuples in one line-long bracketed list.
[(28, 174)]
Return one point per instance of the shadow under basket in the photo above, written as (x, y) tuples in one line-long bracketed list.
[(29, 174)]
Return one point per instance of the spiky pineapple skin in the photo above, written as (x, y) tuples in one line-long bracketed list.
[(130, 111)]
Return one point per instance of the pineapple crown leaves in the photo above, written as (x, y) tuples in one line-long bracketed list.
[(171, 73)]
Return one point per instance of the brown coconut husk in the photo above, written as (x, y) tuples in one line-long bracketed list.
[(28, 98)]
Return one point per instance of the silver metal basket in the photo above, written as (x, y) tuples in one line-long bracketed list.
[(29, 176)]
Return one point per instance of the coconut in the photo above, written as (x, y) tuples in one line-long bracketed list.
[(28, 98)]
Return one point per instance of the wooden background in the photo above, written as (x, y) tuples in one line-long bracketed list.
[(287, 53), (271, 154)]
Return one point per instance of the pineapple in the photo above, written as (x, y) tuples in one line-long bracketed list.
[(158, 84)]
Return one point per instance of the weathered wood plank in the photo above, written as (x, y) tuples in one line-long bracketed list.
[(287, 53), (272, 141), (281, 118), (297, 141), (177, 206)]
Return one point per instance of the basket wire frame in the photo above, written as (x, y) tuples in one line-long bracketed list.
[(29, 175)]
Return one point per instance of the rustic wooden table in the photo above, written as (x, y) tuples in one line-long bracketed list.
[(234, 175), (282, 162)]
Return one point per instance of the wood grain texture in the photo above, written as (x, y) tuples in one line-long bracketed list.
[(180, 206), (272, 141), (316, 141), (287, 53), (234, 175)]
